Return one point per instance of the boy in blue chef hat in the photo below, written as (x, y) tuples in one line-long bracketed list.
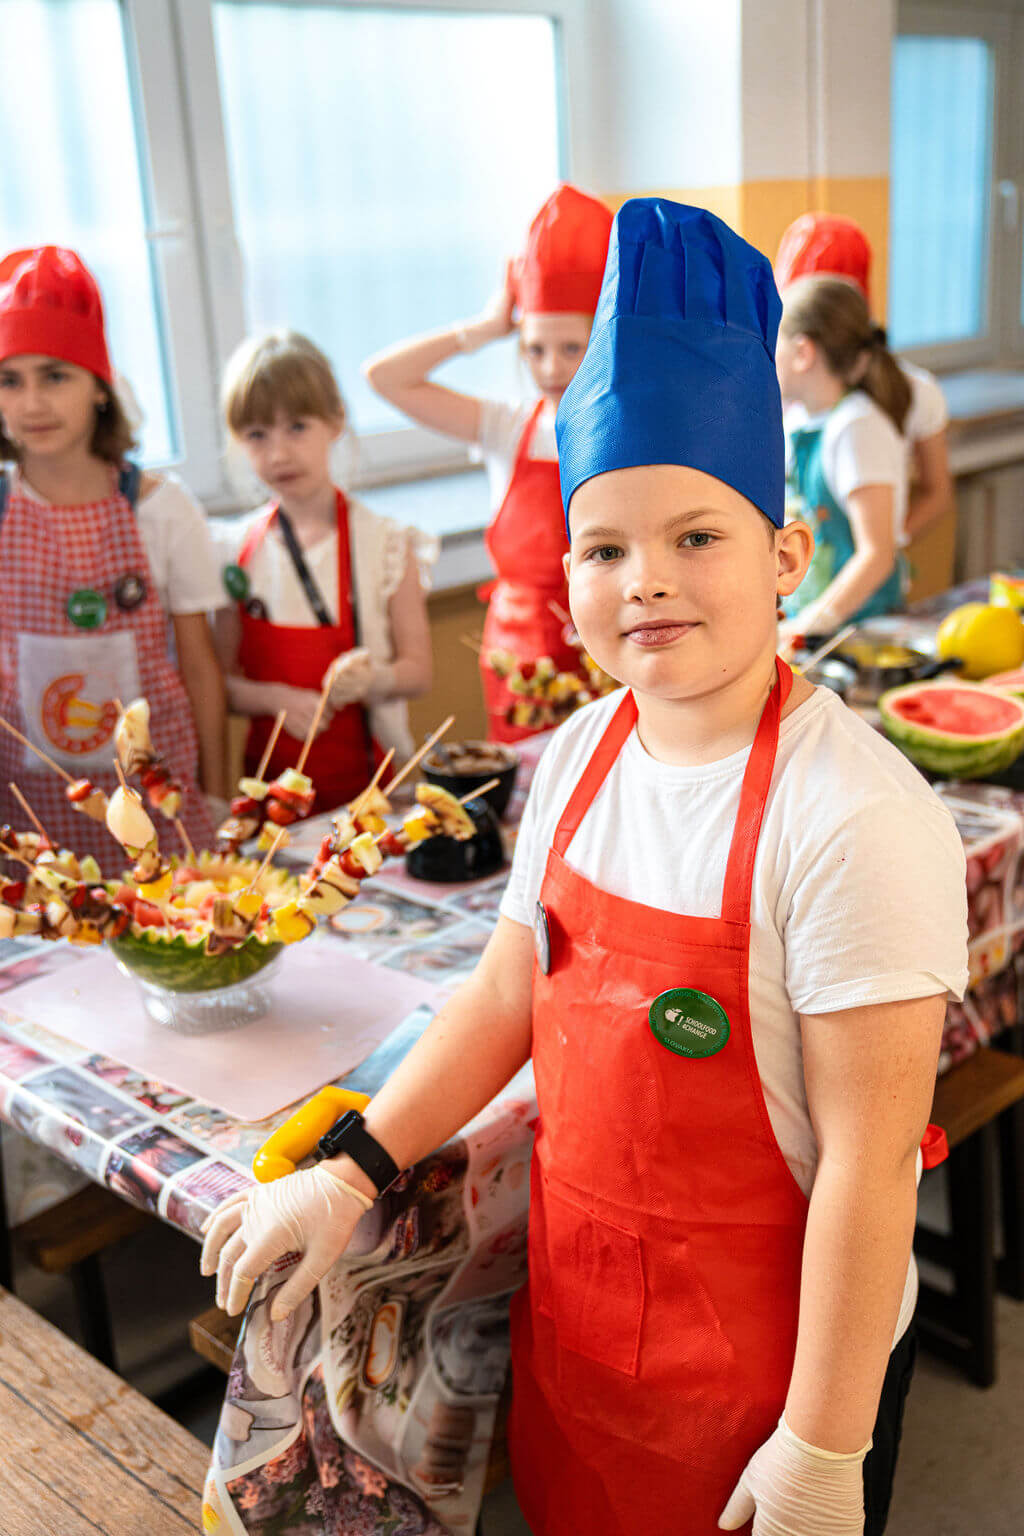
[(733, 919)]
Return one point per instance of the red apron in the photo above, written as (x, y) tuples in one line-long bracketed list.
[(654, 1341), (342, 757), (59, 682), (526, 542)]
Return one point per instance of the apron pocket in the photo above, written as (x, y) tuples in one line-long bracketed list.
[(593, 1287)]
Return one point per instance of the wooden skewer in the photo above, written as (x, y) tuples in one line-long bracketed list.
[(829, 646), (314, 725), (124, 782), (403, 773), (364, 794), (472, 644), (269, 855), (185, 839), (475, 794), (268, 750), (30, 813), (19, 858), (559, 612), (33, 748)]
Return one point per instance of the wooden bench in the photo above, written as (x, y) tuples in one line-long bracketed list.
[(974, 1103), (83, 1452), (213, 1334), (68, 1239)]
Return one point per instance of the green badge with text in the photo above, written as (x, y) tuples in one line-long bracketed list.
[(689, 1023)]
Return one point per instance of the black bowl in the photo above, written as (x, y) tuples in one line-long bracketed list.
[(463, 783), (445, 860)]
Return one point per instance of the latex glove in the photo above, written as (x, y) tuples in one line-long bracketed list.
[(312, 1212), (351, 677), (793, 1489)]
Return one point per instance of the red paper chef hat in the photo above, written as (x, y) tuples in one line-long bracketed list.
[(561, 268), (823, 243), (50, 304)]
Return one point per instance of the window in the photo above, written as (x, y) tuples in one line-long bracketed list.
[(367, 215), (942, 104), (65, 66), (227, 166), (957, 172)]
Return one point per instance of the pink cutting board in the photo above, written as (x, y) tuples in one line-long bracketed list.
[(329, 1011)]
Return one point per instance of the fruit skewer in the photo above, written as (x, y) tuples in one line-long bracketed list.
[(82, 794)]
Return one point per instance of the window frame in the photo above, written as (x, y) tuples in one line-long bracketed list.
[(1002, 336), (405, 453)]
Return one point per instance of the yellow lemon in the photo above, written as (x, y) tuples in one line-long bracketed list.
[(986, 638)]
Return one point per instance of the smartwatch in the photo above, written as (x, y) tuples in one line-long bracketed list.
[(349, 1135)]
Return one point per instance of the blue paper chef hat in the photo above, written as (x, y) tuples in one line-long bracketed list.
[(681, 363)]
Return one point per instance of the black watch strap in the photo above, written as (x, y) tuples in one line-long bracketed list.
[(349, 1135)]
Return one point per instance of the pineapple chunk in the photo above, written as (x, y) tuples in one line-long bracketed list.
[(366, 853), (156, 890), (248, 904), (292, 924), (418, 825), (256, 789)]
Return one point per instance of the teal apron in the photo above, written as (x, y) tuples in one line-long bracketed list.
[(808, 497)]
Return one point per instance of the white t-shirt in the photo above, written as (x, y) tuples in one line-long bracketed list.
[(928, 411), (501, 427), (178, 546), (859, 892), (860, 446)]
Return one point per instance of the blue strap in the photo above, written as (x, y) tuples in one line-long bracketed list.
[(128, 482), (5, 486)]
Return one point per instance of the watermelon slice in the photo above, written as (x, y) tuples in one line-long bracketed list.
[(175, 957), (1008, 682), (956, 730)]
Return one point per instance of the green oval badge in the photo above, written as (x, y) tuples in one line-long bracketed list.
[(689, 1023), (236, 582), (86, 608)]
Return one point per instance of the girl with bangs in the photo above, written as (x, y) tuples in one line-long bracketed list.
[(103, 564), (322, 587)]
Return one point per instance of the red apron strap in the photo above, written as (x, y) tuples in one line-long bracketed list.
[(608, 749), (254, 538), (526, 437), (739, 872)]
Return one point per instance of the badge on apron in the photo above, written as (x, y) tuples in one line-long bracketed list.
[(236, 582), (129, 591), (688, 1022), (256, 608), (86, 608), (542, 938)]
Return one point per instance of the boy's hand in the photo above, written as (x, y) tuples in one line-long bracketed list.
[(351, 678), (309, 1212), (793, 1489)]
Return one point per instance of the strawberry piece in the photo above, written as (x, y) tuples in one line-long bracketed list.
[(12, 892), (80, 790), (280, 815), (148, 916), (245, 805)]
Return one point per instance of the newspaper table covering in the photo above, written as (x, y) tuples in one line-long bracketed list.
[(371, 1409)]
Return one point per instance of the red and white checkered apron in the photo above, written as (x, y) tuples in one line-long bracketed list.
[(46, 554)]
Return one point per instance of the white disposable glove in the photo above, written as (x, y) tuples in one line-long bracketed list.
[(351, 678), (793, 1489), (312, 1212)]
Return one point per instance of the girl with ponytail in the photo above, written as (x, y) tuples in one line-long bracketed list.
[(847, 462)]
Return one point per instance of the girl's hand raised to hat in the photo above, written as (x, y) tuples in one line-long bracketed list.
[(793, 1489), (495, 319)]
